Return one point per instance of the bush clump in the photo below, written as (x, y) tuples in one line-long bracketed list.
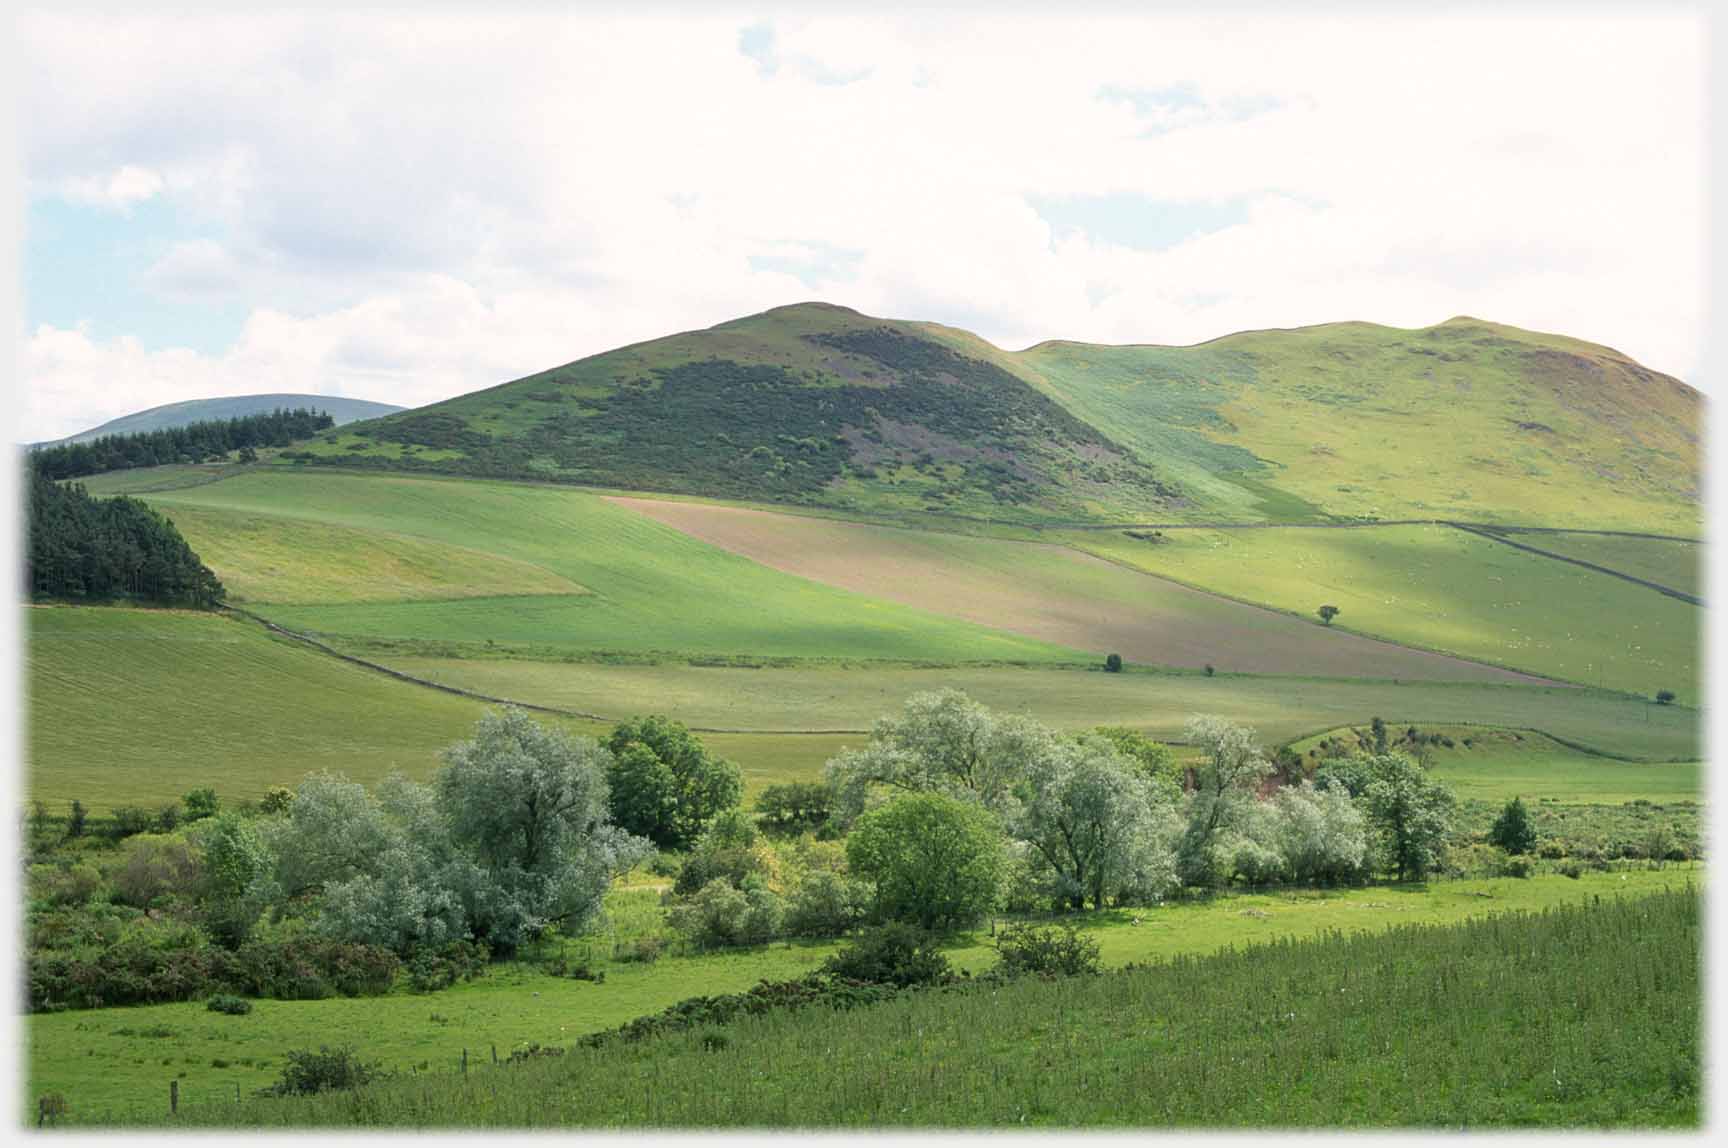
[(230, 1004), (308, 1073), (892, 954), (1050, 950)]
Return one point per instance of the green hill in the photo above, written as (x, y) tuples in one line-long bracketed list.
[(235, 406), (821, 406)]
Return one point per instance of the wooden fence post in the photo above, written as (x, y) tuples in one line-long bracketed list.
[(173, 1097), (464, 1062), (494, 1055)]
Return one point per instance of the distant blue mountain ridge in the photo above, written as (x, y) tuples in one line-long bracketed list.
[(233, 406)]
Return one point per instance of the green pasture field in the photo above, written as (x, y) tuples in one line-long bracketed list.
[(1443, 589), (1498, 765), (1279, 708), (651, 588), (105, 1075), (137, 707), (1664, 561), (1052, 593)]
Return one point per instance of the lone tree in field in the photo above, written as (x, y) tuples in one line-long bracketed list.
[(1113, 663), (1513, 830), (1664, 697), (1327, 613)]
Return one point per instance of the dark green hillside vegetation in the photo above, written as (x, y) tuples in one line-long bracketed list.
[(812, 405), (101, 549), (818, 405), (1578, 1017), (194, 442), (343, 410)]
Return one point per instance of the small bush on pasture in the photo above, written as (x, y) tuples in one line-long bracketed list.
[(128, 821), (720, 914), (826, 904), (1049, 950), (230, 1004), (308, 1073), (892, 954)]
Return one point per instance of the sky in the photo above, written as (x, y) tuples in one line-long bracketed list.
[(405, 207)]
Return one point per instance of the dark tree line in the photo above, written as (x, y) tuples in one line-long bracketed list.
[(194, 442), (105, 548)]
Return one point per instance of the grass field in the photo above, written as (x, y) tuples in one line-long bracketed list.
[(1052, 593), (1444, 589), (136, 707), (651, 588), (1498, 765), (1676, 565), (1279, 708), (80, 1055)]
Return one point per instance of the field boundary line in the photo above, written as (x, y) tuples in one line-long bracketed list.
[(1581, 747), (1535, 678), (1635, 580), (378, 667)]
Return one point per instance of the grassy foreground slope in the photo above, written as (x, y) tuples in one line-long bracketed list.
[(1448, 1026), (639, 586), (109, 1073), (1467, 420), (1448, 589), (1279, 708)]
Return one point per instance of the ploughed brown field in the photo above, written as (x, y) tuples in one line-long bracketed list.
[(1056, 594)]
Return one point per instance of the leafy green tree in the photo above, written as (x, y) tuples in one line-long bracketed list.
[(669, 805), (276, 800), (236, 866), (1377, 729), (1665, 697), (1514, 830), (929, 858), (1097, 827), (1320, 834), (1411, 813), (1327, 613), (76, 820), (1155, 761), (1225, 785), (201, 803), (526, 807), (942, 742), (1113, 663), (795, 807)]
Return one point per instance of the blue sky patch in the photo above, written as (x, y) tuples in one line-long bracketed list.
[(87, 264), (1138, 221)]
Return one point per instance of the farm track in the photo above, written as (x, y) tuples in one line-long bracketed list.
[(1632, 578)]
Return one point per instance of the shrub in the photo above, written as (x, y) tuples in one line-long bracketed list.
[(1665, 697), (1049, 950), (153, 867), (432, 969), (277, 799), (643, 950), (328, 1069), (721, 914), (703, 868), (797, 807), (128, 821), (1515, 866), (826, 904), (1572, 869), (168, 819), (201, 803), (230, 1004), (76, 819), (1113, 663), (1514, 830), (68, 884), (892, 954)]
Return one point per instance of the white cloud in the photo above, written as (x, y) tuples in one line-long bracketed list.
[(119, 189), (414, 206)]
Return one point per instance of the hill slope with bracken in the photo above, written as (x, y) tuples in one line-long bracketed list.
[(819, 405)]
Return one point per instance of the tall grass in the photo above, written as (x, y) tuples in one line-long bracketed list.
[(1580, 1016)]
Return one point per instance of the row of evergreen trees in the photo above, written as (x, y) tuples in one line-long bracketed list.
[(105, 548), (194, 442)]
